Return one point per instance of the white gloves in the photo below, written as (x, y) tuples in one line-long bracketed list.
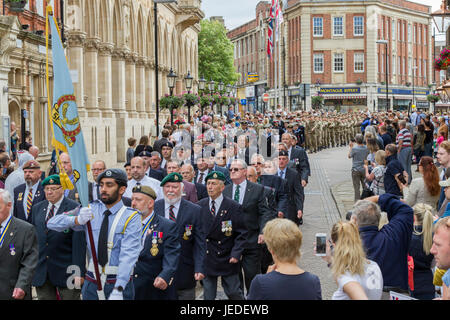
[(84, 216), (116, 295)]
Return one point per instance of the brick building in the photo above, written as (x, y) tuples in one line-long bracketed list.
[(331, 46)]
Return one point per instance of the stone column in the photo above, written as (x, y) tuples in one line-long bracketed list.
[(105, 79), (149, 88), (140, 88), (76, 40), (91, 76), (130, 77), (118, 101)]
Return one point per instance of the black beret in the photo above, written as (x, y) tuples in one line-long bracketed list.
[(117, 174), (283, 153), (145, 154), (167, 144)]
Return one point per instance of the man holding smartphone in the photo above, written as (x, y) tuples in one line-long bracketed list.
[(393, 168)]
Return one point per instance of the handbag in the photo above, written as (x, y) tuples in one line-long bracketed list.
[(366, 193)]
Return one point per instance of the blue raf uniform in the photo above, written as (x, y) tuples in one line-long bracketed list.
[(58, 251), (126, 244), (226, 238)]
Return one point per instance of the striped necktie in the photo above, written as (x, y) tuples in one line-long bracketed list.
[(51, 213), (172, 214), (29, 201), (213, 208)]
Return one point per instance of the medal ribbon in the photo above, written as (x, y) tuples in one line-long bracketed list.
[(147, 225), (2, 235)]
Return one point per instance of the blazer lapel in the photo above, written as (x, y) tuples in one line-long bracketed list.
[(247, 193), (9, 237)]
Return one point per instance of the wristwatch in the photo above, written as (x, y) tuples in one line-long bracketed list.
[(119, 288)]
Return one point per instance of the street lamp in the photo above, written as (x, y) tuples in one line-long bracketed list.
[(188, 81), (211, 87), (155, 17), (201, 87), (388, 104), (413, 90), (171, 78)]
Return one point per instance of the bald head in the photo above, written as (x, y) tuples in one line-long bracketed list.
[(34, 151)]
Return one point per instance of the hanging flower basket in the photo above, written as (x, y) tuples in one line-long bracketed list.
[(170, 101), (433, 98), (205, 100), (16, 5), (443, 62), (190, 99), (216, 99)]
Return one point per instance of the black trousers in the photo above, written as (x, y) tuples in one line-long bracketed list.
[(266, 259), (251, 265)]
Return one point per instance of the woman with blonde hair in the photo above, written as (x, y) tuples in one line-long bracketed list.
[(284, 280), (358, 278), (419, 250)]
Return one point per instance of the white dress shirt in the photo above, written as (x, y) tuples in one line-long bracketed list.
[(242, 189), (217, 203), (146, 181), (175, 209), (57, 205), (25, 196)]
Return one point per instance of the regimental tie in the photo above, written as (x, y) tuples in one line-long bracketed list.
[(200, 179), (29, 201), (102, 246), (237, 193), (51, 213), (172, 214), (213, 208)]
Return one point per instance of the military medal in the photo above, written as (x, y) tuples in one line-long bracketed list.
[(12, 249), (160, 235), (187, 231), (227, 228), (19, 197), (154, 250), (3, 234)]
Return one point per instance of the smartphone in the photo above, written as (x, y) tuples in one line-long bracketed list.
[(321, 244)]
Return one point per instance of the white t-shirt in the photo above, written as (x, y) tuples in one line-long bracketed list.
[(371, 281)]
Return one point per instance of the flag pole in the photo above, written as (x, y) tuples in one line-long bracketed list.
[(59, 146)]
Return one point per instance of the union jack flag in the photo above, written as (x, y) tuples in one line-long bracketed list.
[(275, 15)]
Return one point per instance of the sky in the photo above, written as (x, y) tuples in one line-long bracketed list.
[(238, 12)]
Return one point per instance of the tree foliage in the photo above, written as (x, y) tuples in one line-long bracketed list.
[(216, 53)]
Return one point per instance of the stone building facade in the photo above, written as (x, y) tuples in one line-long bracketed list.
[(111, 55)]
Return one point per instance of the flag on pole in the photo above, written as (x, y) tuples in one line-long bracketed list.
[(63, 114), (271, 27)]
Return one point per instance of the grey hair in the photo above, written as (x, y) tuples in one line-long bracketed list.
[(5, 196), (372, 130), (367, 213), (155, 154), (359, 138), (242, 163)]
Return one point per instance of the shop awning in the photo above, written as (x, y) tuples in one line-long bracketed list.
[(344, 96)]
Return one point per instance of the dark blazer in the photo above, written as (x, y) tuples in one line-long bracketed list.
[(16, 271), (295, 192), (256, 211), (73, 194), (220, 247), (156, 174), (193, 249), (279, 185), (20, 197), (224, 171), (164, 264), (202, 192), (57, 250), (299, 160)]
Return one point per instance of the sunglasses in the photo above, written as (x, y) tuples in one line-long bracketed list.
[(235, 169)]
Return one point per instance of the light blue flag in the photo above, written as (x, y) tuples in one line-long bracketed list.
[(65, 121)]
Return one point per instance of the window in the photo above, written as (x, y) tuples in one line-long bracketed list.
[(359, 62), (338, 29), (394, 61), (382, 30), (420, 68), (409, 32), (409, 66), (399, 27), (317, 27), (404, 65), (399, 69), (318, 63), (358, 26), (393, 29), (40, 7), (338, 62)]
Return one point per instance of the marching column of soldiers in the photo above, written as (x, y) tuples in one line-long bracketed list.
[(183, 213)]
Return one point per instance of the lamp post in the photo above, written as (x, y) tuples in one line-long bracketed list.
[(155, 18), (413, 89), (388, 103), (171, 78), (220, 88), (211, 87), (188, 81), (201, 87)]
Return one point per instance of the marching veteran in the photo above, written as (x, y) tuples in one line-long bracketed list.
[(226, 236), (188, 218), (117, 234), (158, 261), (61, 254)]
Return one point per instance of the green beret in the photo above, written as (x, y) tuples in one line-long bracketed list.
[(172, 177), (216, 175), (145, 190), (51, 180)]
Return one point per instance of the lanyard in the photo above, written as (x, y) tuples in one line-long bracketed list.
[(2, 235), (147, 225)]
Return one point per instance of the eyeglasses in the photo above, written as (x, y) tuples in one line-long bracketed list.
[(235, 169), (52, 189), (97, 169)]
